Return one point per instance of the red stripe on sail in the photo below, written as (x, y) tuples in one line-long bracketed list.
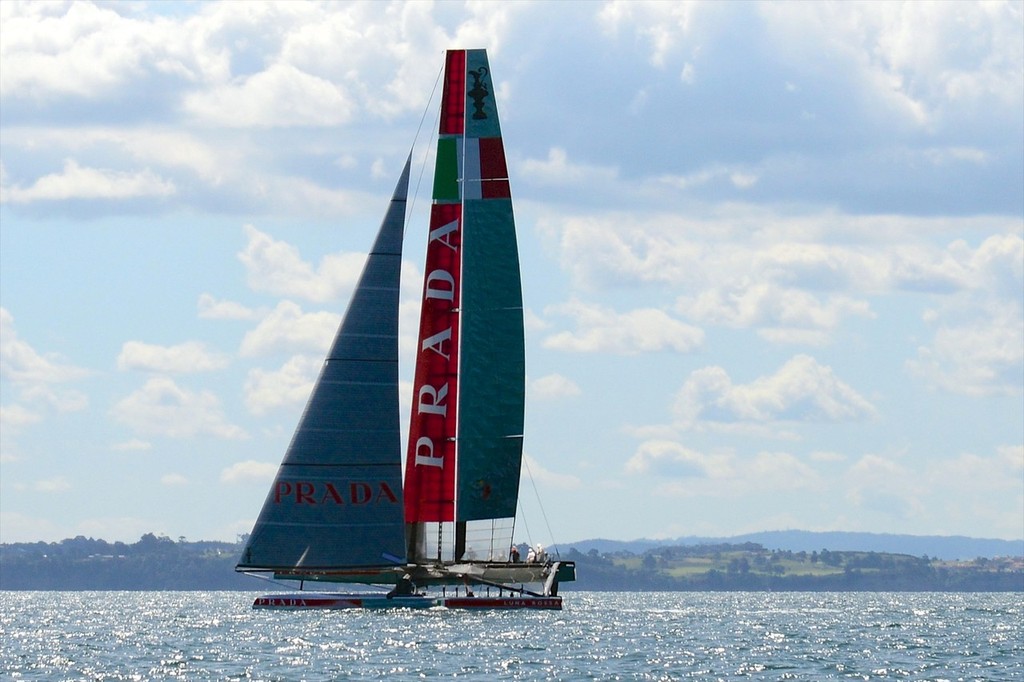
[(492, 159), (493, 169), (430, 460), (453, 98)]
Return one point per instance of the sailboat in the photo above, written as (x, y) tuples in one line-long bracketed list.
[(339, 509)]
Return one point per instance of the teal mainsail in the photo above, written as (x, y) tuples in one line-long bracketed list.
[(492, 395), (492, 392), (481, 371)]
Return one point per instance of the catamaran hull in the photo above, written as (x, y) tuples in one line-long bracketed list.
[(302, 601)]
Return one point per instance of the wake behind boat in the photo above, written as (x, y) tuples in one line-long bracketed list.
[(339, 509)]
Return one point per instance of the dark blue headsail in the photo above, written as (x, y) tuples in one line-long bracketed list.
[(336, 503)]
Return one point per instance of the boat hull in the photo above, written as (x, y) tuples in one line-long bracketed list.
[(304, 601)]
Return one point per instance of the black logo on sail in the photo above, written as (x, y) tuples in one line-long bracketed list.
[(478, 92)]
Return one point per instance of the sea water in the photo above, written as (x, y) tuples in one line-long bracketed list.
[(598, 636)]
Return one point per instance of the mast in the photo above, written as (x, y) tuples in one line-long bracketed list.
[(465, 443)]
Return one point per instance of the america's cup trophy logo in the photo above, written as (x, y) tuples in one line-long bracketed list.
[(479, 92)]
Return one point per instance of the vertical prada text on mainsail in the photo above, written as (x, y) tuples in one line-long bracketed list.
[(336, 502)]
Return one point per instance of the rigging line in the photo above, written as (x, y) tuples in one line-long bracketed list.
[(522, 512), (540, 504), (419, 128)]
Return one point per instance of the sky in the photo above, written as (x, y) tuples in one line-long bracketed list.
[(772, 255)]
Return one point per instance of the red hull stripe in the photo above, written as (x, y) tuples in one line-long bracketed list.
[(504, 603), (380, 601)]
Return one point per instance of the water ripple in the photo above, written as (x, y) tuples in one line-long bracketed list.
[(100, 636)]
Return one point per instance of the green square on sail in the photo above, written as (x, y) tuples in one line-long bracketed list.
[(446, 171)]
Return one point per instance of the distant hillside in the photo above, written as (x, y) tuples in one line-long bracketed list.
[(948, 548), (750, 566), (159, 563)]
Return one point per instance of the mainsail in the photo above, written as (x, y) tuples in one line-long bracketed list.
[(465, 442), (336, 502)]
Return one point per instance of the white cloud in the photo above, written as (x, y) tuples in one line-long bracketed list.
[(801, 390), (20, 363), (557, 170), (670, 459), (662, 24), (978, 344), (779, 471), (918, 61), (18, 527), (553, 386), (996, 266), (609, 251), (177, 168), (75, 48), (378, 169), (173, 480), (682, 471), (826, 456), (59, 400), (744, 246), (133, 445), (599, 329), (282, 95), (983, 474), (531, 320), (289, 385), (740, 178), (980, 355), (532, 469), (689, 74), (276, 267), (287, 327), (78, 182), (249, 471), (946, 155), (925, 59), (34, 380), (15, 417), (781, 314), (882, 485), (743, 179), (169, 150), (260, 64), (191, 356), (792, 279), (52, 485), (212, 309), (162, 408)]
